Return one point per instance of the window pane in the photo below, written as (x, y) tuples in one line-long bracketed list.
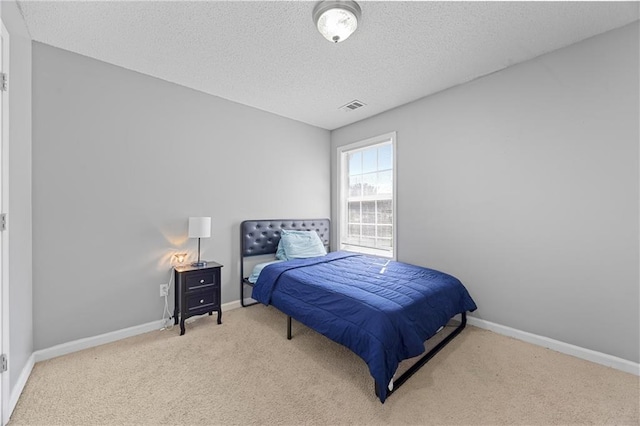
[(385, 211), (369, 183), (368, 235), (354, 212), (354, 234), (355, 163), (369, 212), (385, 182), (369, 160), (384, 231), (355, 186), (385, 157), (385, 243)]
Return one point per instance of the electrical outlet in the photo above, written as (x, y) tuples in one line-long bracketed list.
[(164, 290)]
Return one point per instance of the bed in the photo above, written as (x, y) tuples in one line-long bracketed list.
[(382, 310)]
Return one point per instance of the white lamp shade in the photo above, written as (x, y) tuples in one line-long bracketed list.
[(199, 227)]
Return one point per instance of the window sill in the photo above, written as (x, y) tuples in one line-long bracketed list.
[(388, 254)]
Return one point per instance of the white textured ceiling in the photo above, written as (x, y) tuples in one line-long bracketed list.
[(270, 56)]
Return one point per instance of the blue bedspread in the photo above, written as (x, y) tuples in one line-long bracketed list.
[(382, 310)]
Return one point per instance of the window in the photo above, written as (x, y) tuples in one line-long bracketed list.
[(366, 210)]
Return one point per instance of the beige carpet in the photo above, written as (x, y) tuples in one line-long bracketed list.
[(246, 372)]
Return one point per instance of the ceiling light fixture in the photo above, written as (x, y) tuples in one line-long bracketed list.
[(336, 20)]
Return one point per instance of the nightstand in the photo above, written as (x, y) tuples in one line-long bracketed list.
[(197, 292)]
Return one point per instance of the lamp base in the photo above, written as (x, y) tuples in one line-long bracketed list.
[(199, 264)]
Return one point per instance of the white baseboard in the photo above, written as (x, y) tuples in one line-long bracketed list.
[(89, 342), (231, 305), (19, 387), (562, 347), (101, 339)]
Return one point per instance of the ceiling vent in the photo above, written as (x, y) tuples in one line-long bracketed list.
[(355, 104)]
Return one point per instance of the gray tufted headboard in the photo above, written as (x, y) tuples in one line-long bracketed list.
[(258, 237), (262, 236)]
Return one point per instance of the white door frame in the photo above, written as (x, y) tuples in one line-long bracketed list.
[(4, 239)]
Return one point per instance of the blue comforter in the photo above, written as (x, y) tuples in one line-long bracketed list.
[(382, 310)]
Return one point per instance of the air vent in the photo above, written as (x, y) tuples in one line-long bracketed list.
[(355, 104)]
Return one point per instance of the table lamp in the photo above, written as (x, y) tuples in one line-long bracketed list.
[(199, 227)]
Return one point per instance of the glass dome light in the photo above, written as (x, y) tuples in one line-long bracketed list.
[(336, 20)]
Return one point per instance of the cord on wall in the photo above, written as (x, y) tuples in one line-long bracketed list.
[(167, 316)]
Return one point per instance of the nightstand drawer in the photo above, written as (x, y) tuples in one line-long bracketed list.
[(200, 280), (202, 301)]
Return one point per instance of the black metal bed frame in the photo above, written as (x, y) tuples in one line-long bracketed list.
[(260, 237)]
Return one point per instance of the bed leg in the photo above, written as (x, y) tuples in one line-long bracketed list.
[(288, 327)]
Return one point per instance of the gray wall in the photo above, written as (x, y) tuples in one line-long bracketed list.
[(18, 195), (121, 160), (524, 184)]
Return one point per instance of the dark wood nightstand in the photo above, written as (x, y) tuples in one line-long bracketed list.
[(197, 292)]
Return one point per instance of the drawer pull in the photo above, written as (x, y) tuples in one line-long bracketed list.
[(201, 281), (201, 300)]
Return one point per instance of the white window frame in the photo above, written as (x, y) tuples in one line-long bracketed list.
[(343, 191)]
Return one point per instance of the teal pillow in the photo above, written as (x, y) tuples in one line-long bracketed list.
[(302, 244), (280, 254)]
